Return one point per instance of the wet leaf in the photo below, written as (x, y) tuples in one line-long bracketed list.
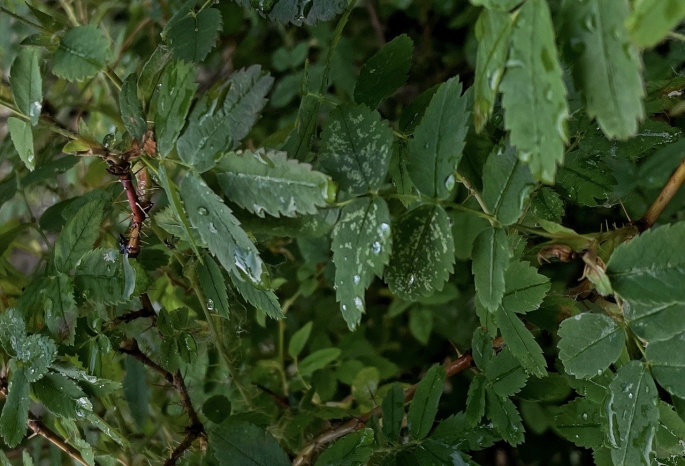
[(16, 409), (27, 83), (580, 421), (22, 138)]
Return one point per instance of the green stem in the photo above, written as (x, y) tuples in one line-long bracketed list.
[(20, 19), (334, 44), (70, 13), (116, 80), (677, 36), (281, 326), (475, 194)]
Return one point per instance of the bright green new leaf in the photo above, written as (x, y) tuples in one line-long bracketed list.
[(212, 282), (580, 421), (505, 417), (524, 288), (299, 339), (521, 342), (651, 267), (493, 31), (82, 52), (534, 95), (99, 276), (438, 142), (361, 248), (505, 374), (668, 364), (174, 97), (585, 179), (352, 450), (385, 72), (655, 321), (424, 406), (607, 68), (317, 360), (651, 20), (239, 443), (422, 253), (589, 344), (356, 147), (16, 409), (633, 415), (270, 182), (490, 261), (27, 83), (22, 138), (131, 109), (475, 400), (264, 300), (192, 36), (221, 230), (507, 184), (393, 412), (62, 396), (78, 235)]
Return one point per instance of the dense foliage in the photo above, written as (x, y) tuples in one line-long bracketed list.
[(324, 232)]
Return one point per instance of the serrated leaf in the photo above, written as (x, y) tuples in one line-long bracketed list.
[(670, 434), (589, 344), (299, 339), (490, 261), (607, 68), (633, 415), (505, 417), (547, 205), (264, 300), (475, 400), (270, 182), (221, 230), (61, 395), (192, 36), (493, 31), (585, 180), (301, 139), (580, 421), (385, 72), (78, 235), (422, 253), (481, 347), (651, 20), (356, 147), (651, 267), (521, 343), (246, 97), (238, 443), (174, 97), (361, 247), (151, 72), (433, 453), (507, 184), (524, 288), (82, 52), (393, 412), (654, 322), (16, 409), (12, 330), (424, 406), (505, 374), (35, 352), (27, 83), (352, 450), (212, 282), (22, 138), (60, 308), (99, 276), (436, 149), (317, 360), (668, 364), (131, 108), (533, 85)]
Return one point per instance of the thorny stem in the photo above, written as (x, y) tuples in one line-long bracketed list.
[(656, 209)]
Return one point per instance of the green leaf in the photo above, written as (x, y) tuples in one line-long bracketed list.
[(393, 412), (580, 421), (354, 449), (493, 31), (35, 352), (534, 96), (82, 52), (422, 253), (651, 20), (27, 84), (607, 68), (521, 343), (264, 300), (364, 386), (589, 344), (507, 184), (505, 417), (299, 339), (217, 408), (668, 364), (131, 109), (99, 276), (174, 97), (421, 324), (436, 149), (356, 147), (151, 72), (524, 288), (317, 360), (245, 98), (433, 453), (239, 443), (505, 374), (12, 330), (60, 308), (78, 235), (497, 5), (475, 400), (654, 322), (547, 205), (22, 138), (585, 180), (130, 275), (192, 36), (16, 409), (424, 406), (300, 141), (62, 396), (361, 248), (136, 391), (212, 282), (385, 72), (270, 182), (221, 230), (670, 434), (481, 347), (490, 261), (633, 415), (651, 267)]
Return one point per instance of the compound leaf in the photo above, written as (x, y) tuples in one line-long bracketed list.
[(505, 417)]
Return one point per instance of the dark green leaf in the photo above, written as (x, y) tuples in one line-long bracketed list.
[(264, 300), (521, 342), (670, 434), (60, 307), (99, 276), (481, 347), (174, 97), (82, 52), (580, 421), (421, 323), (192, 36), (424, 406), (524, 288), (668, 364), (217, 408), (505, 417), (505, 374), (497, 5), (62, 396), (245, 98), (239, 443), (212, 281), (131, 109), (490, 261), (423, 253), (27, 84), (547, 205), (436, 149), (300, 141), (385, 72), (78, 235), (354, 449), (533, 85), (475, 401), (136, 391), (393, 412), (16, 409), (317, 360), (651, 20), (655, 321), (435, 453), (22, 137), (585, 179), (299, 339), (356, 148), (151, 72)]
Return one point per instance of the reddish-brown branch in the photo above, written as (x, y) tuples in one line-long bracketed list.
[(656, 209)]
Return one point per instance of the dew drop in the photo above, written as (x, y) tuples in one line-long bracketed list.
[(411, 279), (358, 303), (212, 228), (630, 396), (356, 279), (425, 146), (384, 230), (584, 416), (202, 211), (449, 183), (344, 307), (376, 247), (210, 305)]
